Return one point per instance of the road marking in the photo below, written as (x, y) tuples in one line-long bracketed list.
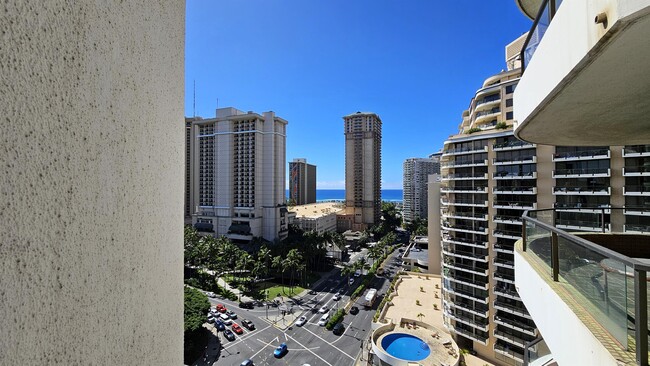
[(312, 352), (340, 350), (245, 337), (265, 345)]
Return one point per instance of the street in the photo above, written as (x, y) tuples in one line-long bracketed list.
[(310, 344)]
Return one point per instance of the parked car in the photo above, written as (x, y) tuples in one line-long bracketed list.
[(210, 318), (246, 305), (281, 350), (210, 294), (229, 335), (225, 319), (219, 325), (248, 324), (237, 329), (351, 281), (221, 308), (337, 297), (323, 319), (339, 328), (231, 314), (357, 273), (354, 310), (323, 309), (312, 292), (247, 362), (301, 321)]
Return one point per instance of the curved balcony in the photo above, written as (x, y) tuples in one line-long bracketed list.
[(591, 154), (464, 151), (512, 145), (487, 115)]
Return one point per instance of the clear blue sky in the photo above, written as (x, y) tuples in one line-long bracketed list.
[(416, 63)]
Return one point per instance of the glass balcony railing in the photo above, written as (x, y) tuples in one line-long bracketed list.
[(540, 25), (610, 285)]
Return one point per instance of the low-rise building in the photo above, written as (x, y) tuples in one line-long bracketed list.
[(319, 217)]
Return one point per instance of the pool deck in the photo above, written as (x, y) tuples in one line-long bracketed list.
[(443, 350)]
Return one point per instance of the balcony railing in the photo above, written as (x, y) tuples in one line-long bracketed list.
[(577, 155), (601, 172), (542, 21), (612, 285), (512, 144)]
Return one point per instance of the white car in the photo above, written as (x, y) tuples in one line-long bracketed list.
[(357, 273), (323, 309), (225, 319), (323, 319), (211, 294), (301, 321), (336, 297), (351, 281)]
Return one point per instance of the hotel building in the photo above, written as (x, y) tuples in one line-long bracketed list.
[(582, 264), (416, 175), (302, 182), (362, 171), (239, 173)]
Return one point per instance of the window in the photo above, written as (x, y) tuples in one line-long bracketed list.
[(510, 88), (509, 115), (509, 102)]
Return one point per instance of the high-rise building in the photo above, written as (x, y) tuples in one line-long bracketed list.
[(416, 176), (239, 169), (582, 264), (189, 204), (362, 171), (302, 182)]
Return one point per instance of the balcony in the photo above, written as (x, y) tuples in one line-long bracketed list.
[(504, 263), (511, 175), (465, 216), (477, 189), (512, 145), (636, 228), (486, 115), (464, 176), (583, 75), (514, 190), (506, 292), (520, 311), (516, 160), (463, 151), (479, 256), (467, 334), (482, 230), (481, 324), (461, 241), (506, 219), (636, 171), (636, 151), (591, 154), (595, 283), (467, 268), (468, 282), (473, 296), (630, 190), (509, 352), (515, 205), (481, 311), (579, 173), (583, 191), (507, 234), (467, 203), (464, 163)]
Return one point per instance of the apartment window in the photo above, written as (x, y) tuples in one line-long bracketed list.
[(509, 102), (509, 115), (510, 88)]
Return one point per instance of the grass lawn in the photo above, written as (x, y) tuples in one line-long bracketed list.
[(274, 289)]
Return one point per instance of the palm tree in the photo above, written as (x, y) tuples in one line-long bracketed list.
[(347, 270), (279, 266), (420, 316), (361, 264), (292, 262), (374, 253), (264, 256)]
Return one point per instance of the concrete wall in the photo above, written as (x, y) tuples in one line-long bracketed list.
[(91, 182)]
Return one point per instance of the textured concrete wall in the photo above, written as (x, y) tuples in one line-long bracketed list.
[(91, 182)]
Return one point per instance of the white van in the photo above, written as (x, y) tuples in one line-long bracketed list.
[(323, 319), (225, 319)]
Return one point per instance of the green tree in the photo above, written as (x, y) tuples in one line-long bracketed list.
[(196, 309), (292, 262), (264, 256), (278, 264), (347, 270), (375, 252)]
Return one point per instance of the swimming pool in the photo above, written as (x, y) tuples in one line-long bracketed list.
[(405, 346)]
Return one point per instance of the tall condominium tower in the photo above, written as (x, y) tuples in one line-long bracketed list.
[(362, 171), (239, 173), (302, 182), (416, 173)]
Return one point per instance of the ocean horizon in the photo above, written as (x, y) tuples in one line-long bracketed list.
[(391, 195)]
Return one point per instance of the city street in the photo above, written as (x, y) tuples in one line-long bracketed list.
[(310, 344)]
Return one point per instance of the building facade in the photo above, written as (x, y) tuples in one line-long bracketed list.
[(189, 203), (302, 182), (319, 217), (362, 171), (239, 173), (416, 175)]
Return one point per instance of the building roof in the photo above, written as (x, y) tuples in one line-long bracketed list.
[(316, 210), (361, 114)]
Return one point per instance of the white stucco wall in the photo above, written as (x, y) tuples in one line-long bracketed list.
[(91, 182)]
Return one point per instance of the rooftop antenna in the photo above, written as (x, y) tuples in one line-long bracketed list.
[(194, 102)]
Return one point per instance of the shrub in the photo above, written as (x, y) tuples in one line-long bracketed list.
[(501, 126), (358, 291), (336, 318), (472, 130), (417, 302)]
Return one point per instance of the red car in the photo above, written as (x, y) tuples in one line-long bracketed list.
[(221, 308), (237, 329)]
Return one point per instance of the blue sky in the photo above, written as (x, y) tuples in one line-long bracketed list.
[(416, 63)]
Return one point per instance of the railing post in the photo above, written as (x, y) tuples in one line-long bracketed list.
[(555, 257), (523, 232), (602, 218), (641, 316)]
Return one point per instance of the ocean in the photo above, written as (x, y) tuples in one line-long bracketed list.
[(392, 195)]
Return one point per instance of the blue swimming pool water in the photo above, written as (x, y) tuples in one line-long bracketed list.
[(405, 347)]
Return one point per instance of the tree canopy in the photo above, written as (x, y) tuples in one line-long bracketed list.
[(196, 309)]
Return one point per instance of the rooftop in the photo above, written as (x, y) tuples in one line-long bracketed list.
[(316, 210)]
